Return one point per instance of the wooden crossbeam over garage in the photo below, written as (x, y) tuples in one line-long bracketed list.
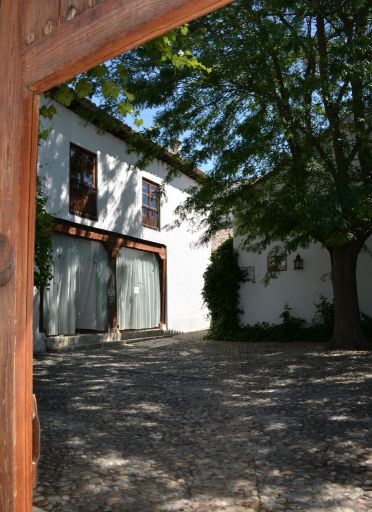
[(44, 43)]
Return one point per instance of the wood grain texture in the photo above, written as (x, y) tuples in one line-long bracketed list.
[(40, 22), (69, 9), (102, 32), (6, 260), (18, 128), (114, 241)]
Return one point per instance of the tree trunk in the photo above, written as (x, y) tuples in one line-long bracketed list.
[(347, 331)]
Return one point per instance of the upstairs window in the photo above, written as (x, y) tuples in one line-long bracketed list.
[(150, 204), (83, 182), (276, 262)]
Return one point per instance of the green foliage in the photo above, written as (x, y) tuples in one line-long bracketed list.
[(110, 83), (83, 88), (324, 311), (46, 112), (296, 329), (110, 89), (43, 271), (290, 329), (64, 95), (281, 107), (221, 291)]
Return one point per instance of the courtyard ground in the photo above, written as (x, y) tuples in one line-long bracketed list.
[(181, 424)]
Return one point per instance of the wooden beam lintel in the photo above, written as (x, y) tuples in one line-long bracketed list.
[(103, 32), (114, 241)]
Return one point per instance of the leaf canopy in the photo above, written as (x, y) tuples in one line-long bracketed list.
[(280, 105)]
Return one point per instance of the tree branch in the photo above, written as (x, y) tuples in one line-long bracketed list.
[(342, 176)]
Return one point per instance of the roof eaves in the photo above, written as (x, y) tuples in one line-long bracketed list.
[(88, 110)]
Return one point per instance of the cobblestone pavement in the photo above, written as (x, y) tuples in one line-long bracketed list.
[(181, 424)]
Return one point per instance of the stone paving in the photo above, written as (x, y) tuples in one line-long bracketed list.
[(182, 424)]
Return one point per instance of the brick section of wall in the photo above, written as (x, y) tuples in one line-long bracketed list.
[(219, 237)]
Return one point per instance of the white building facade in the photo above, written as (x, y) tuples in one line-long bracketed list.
[(116, 266), (299, 288)]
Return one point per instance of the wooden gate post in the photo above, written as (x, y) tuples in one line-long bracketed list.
[(18, 146)]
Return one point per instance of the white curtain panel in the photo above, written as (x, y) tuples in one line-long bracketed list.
[(59, 297), (92, 285), (77, 294), (138, 289)]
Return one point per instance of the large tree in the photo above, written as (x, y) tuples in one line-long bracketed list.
[(280, 106), (282, 111)]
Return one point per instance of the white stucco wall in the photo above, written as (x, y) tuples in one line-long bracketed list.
[(119, 185), (300, 289)]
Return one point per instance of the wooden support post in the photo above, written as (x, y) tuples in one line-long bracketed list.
[(163, 287), (113, 246), (18, 148), (112, 295)]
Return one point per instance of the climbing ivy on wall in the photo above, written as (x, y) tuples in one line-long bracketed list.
[(43, 269), (222, 281)]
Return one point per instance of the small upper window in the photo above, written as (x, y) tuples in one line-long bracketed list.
[(83, 182), (276, 263), (150, 204)]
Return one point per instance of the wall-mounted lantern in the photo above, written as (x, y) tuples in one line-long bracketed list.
[(298, 263)]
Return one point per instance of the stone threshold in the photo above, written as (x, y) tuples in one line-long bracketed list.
[(77, 341)]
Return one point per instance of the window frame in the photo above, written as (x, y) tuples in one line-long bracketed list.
[(148, 207), (81, 212), (276, 266)]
